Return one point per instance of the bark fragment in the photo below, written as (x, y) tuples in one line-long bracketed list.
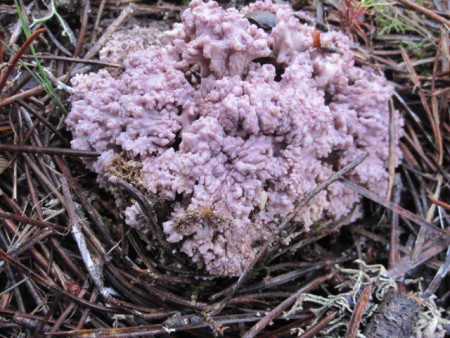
[(395, 317)]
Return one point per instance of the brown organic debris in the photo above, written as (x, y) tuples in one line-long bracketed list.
[(71, 267)]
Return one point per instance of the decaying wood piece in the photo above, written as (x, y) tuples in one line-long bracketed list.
[(395, 317)]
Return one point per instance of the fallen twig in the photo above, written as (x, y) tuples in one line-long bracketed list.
[(17, 56), (426, 11), (355, 320), (270, 316), (16, 148)]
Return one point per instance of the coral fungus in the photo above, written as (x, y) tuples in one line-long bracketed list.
[(234, 124)]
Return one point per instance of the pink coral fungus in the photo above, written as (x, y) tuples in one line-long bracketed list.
[(234, 124)]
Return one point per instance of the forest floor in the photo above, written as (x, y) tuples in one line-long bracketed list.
[(336, 280)]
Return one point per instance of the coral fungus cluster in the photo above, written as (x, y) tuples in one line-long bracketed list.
[(234, 124)]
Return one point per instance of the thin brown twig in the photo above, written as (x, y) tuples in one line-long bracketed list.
[(50, 285), (439, 277), (286, 330), (434, 122), (319, 326), (37, 257), (86, 311), (26, 94), (32, 221), (154, 329), (38, 237), (17, 56), (314, 236), (439, 203), (396, 208), (84, 19), (335, 177), (147, 209), (357, 314), (426, 11), (92, 213), (391, 163), (424, 232), (394, 236), (67, 312), (61, 252), (405, 264), (124, 15), (17, 148), (91, 260), (275, 312), (97, 20), (217, 308), (11, 314), (44, 120), (48, 315)]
